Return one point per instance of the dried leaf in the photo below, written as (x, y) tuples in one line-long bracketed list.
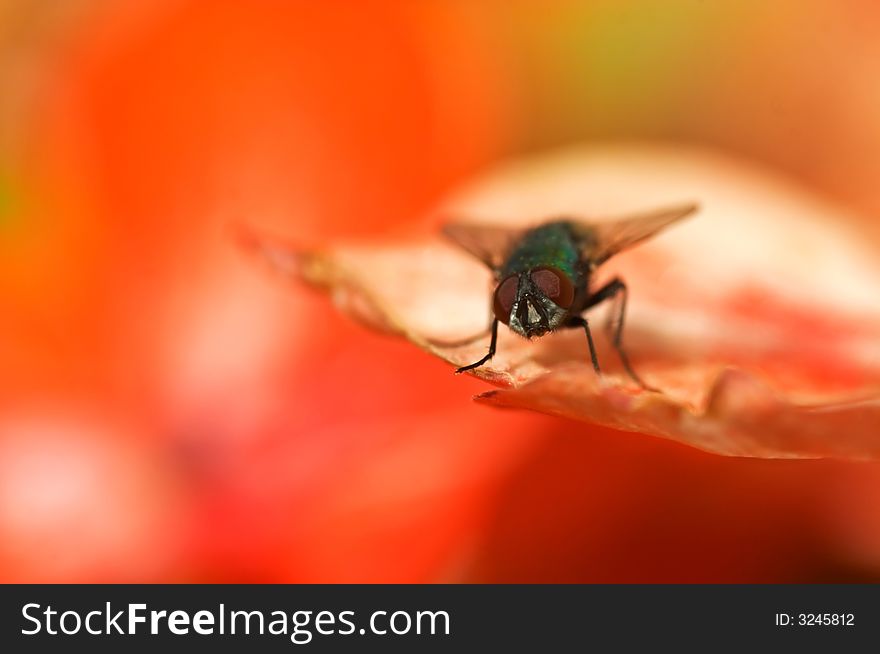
[(758, 318)]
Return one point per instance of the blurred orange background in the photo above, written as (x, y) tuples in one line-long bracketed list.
[(168, 412)]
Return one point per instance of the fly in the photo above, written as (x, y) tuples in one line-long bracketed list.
[(542, 274)]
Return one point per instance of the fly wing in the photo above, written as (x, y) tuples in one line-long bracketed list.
[(602, 240), (488, 243)]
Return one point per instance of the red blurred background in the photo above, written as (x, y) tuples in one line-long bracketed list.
[(168, 412)]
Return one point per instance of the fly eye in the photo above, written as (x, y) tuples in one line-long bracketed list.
[(555, 285), (505, 296)]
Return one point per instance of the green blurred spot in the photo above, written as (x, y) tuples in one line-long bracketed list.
[(611, 68)]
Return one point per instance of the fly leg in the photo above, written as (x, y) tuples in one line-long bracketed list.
[(459, 342), (613, 290), (488, 356), (578, 321)]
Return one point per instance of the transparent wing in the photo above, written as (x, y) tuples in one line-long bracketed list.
[(488, 243), (602, 240)]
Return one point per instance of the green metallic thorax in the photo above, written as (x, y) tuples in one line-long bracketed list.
[(552, 245)]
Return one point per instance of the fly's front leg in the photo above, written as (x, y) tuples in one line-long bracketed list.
[(578, 321), (612, 290), (488, 356), (459, 342)]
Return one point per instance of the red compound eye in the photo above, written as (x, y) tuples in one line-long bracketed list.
[(555, 285), (505, 296)]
